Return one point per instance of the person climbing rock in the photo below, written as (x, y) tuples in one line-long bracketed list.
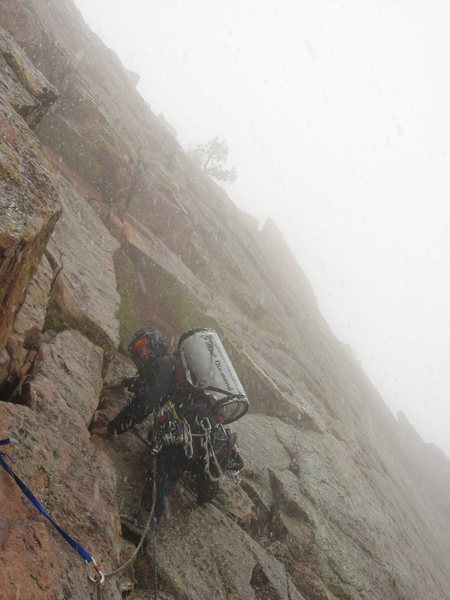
[(178, 438)]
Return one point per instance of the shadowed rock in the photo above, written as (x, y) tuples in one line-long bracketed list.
[(28, 91)]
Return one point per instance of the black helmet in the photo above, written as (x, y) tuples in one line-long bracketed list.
[(158, 346)]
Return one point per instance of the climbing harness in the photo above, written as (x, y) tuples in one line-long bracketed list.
[(94, 572), (171, 430)]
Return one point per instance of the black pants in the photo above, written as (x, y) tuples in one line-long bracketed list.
[(172, 462)]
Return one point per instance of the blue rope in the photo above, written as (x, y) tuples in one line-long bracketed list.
[(29, 494)]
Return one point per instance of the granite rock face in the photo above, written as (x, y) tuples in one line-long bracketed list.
[(29, 210), (106, 226), (75, 482), (26, 336), (28, 91), (84, 292)]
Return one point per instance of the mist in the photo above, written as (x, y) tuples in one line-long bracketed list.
[(336, 116)]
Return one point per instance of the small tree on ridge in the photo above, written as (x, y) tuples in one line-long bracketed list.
[(212, 157)]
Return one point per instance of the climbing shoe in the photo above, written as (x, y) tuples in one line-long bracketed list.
[(132, 529)]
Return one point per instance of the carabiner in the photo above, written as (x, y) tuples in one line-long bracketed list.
[(189, 450), (206, 424), (94, 573)]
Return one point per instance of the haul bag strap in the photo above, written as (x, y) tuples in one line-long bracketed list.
[(29, 494), (226, 392)]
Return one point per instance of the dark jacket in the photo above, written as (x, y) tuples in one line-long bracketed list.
[(148, 393)]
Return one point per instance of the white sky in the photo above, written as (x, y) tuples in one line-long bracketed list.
[(337, 115)]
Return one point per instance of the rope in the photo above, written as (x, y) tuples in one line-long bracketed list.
[(141, 541), (146, 528), (89, 560), (155, 571)]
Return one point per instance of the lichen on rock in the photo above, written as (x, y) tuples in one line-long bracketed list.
[(29, 210)]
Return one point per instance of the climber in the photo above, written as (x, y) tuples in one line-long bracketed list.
[(178, 451)]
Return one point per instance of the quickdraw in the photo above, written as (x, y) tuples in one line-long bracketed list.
[(94, 572), (228, 463), (208, 449)]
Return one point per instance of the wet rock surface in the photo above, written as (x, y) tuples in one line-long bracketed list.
[(74, 482), (26, 336), (339, 500), (29, 210), (28, 91), (84, 293)]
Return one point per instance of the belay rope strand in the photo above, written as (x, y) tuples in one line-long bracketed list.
[(144, 535), (145, 530), (98, 577)]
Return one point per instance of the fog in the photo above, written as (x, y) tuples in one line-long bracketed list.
[(337, 118)]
